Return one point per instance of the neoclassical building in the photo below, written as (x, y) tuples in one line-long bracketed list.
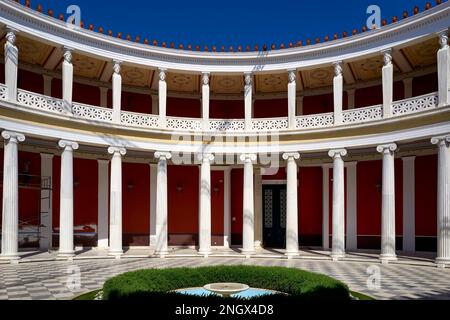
[(340, 142)]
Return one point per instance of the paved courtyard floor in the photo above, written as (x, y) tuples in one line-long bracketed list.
[(41, 276)]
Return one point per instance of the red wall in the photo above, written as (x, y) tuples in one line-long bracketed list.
[(30, 81), (319, 104), (136, 204), (177, 107), (135, 102), (2, 72), (237, 184), (217, 202), (226, 109), (276, 108), (425, 84), (426, 195), (86, 94)]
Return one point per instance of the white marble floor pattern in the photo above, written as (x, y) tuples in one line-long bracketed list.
[(51, 280)]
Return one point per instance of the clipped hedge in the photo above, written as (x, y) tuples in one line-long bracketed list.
[(157, 283)]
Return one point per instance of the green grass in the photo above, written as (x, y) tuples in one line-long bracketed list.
[(361, 296), (157, 283), (88, 296)]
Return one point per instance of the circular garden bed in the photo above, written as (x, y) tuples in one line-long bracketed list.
[(159, 284)]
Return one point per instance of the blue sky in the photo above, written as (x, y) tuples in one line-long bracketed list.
[(231, 22)]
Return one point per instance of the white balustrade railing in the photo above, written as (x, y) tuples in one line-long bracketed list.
[(92, 113), (39, 101), (360, 115), (415, 104), (226, 125), (184, 124), (2, 91), (315, 121), (139, 119), (270, 124)]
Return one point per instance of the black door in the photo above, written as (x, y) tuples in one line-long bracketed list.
[(274, 210)]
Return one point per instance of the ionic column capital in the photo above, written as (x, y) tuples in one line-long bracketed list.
[(205, 78), (443, 39), (387, 57), (11, 34), (13, 137), (117, 150), (205, 157), (68, 145), (117, 66), (162, 74), (291, 156), (67, 54), (163, 156), (337, 68), (248, 78), (248, 157), (441, 141), (337, 153), (387, 148), (292, 75)]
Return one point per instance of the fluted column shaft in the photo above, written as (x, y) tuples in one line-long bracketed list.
[(248, 100), (338, 87), (117, 91), (204, 235), (115, 202), (388, 83), (338, 218), (443, 68), (67, 80), (291, 204), (292, 99), (161, 204), (10, 213), (388, 203), (11, 64), (162, 94), (443, 200), (66, 246), (248, 232)]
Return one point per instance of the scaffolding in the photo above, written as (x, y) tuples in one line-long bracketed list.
[(30, 228)]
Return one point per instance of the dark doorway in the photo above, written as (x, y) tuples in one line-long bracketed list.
[(274, 211)]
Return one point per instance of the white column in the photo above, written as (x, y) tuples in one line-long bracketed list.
[(155, 104), (115, 202), (351, 98), (258, 209), (352, 238), (162, 94), (117, 91), (161, 204), (388, 83), (47, 85), (388, 203), (66, 247), (45, 240), (103, 97), (204, 234), (248, 236), (338, 237), (326, 206), (227, 207), (408, 87), (153, 187), (291, 204), (205, 100), (103, 197), (292, 92), (248, 100), (10, 213), (338, 87), (443, 199), (409, 199), (11, 64), (300, 105), (443, 64), (67, 80)]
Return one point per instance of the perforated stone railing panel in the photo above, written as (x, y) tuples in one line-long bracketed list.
[(270, 124), (92, 113), (416, 104), (139, 119), (226, 125), (41, 102), (184, 124), (315, 121), (360, 115), (2, 91)]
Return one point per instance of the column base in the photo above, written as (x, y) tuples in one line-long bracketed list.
[(386, 258), (292, 254), (66, 254), (247, 253), (442, 262), (336, 256), (258, 244), (162, 253), (116, 253), (13, 258), (205, 252)]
